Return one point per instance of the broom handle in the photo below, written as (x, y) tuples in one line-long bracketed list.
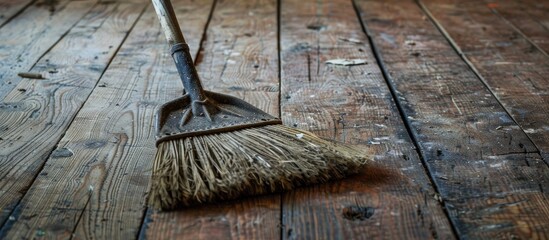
[(180, 50)]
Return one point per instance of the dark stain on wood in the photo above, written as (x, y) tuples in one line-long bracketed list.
[(316, 26), (358, 213), (12, 106), (95, 143), (62, 153)]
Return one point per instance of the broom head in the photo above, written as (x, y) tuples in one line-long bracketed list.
[(235, 149)]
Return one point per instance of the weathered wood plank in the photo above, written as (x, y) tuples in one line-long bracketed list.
[(140, 79), (530, 20), (475, 152), (514, 70), (36, 117), (240, 54), (392, 198), (523, 216), (10, 9), (251, 218), (31, 34), (239, 57)]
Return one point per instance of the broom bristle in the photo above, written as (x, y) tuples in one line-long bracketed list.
[(251, 161)]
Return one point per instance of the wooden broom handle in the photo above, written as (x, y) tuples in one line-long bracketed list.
[(181, 56), (168, 21)]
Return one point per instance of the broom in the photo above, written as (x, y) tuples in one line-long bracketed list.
[(214, 147)]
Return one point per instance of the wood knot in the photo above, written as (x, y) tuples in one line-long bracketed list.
[(358, 213)]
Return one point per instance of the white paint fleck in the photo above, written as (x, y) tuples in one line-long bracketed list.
[(530, 130), (410, 42), (381, 138), (346, 62), (496, 165), (394, 213), (388, 38), (353, 40), (407, 168)]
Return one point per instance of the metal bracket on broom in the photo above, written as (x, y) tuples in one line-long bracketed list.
[(198, 112)]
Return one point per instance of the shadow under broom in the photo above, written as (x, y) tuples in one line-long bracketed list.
[(214, 147)]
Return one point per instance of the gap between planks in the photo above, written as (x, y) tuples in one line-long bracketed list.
[(237, 57), (134, 10), (464, 57), (11, 8), (350, 104), (406, 121), (23, 52), (382, 25), (533, 124)]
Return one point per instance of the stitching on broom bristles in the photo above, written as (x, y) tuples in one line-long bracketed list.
[(251, 161)]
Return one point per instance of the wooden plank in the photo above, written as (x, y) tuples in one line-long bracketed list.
[(514, 70), (250, 218), (476, 154), (240, 54), (10, 8), (31, 34), (530, 20), (524, 216), (35, 119), (239, 57), (117, 207), (392, 198)]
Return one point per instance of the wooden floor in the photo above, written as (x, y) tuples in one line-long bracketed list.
[(452, 104)]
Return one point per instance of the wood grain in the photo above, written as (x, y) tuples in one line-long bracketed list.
[(392, 197), (473, 149), (140, 79), (25, 39), (530, 20), (76, 148), (523, 216), (35, 119), (10, 8), (239, 57), (510, 65)]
